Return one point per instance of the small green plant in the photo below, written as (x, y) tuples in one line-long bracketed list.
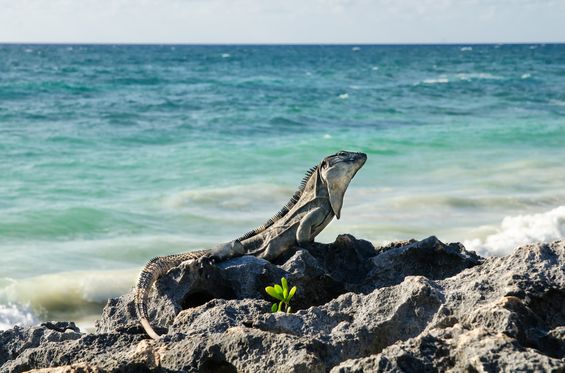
[(282, 294)]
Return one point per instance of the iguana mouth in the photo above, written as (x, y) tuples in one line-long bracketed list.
[(346, 156)]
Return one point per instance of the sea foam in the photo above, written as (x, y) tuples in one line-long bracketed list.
[(65, 290), (12, 314), (515, 231), (440, 80), (463, 77), (73, 296)]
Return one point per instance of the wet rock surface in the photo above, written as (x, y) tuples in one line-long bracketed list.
[(409, 306)]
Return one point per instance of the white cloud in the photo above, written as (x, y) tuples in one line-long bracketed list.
[(257, 21)]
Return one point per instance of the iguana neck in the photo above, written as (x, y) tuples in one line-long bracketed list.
[(312, 173), (313, 193)]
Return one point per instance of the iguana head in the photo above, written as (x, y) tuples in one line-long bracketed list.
[(336, 172)]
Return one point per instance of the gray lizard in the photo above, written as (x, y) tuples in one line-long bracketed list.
[(318, 199)]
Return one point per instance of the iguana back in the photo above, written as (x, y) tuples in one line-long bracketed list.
[(284, 210)]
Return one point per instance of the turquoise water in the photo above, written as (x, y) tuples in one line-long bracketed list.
[(110, 155)]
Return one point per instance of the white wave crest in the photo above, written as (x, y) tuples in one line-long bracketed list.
[(12, 314), (440, 80), (515, 231), (77, 296), (70, 289), (464, 77), (557, 102), (477, 76)]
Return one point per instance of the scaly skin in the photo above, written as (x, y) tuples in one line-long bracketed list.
[(312, 207), (150, 273)]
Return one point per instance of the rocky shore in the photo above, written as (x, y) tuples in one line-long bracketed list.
[(414, 306)]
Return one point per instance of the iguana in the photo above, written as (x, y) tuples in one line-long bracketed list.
[(318, 199)]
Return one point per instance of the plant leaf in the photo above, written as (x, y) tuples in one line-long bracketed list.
[(280, 306), (273, 293), (284, 284), (291, 293), (274, 307), (279, 289), (285, 295)]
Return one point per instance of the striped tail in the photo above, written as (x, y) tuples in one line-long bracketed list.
[(156, 268)]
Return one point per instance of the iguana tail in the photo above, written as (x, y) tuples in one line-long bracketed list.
[(156, 267)]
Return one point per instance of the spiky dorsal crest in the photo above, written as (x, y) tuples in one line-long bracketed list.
[(285, 209)]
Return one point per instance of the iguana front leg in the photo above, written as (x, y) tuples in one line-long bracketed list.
[(282, 238), (223, 252), (305, 231)]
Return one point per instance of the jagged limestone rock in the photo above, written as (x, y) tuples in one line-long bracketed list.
[(411, 306)]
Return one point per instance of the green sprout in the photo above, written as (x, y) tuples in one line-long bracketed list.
[(282, 294)]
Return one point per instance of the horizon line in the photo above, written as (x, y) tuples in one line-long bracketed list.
[(282, 44)]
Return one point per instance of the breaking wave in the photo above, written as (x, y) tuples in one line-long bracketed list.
[(12, 314), (515, 231), (61, 296)]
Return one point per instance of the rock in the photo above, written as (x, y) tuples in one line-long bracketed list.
[(430, 258), (15, 341), (73, 368), (458, 350), (408, 306)]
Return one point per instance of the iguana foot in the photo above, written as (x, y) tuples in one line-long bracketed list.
[(205, 260), (226, 251)]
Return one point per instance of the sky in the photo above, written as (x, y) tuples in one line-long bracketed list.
[(282, 21)]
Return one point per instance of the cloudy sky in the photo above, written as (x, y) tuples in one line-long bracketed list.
[(282, 21)]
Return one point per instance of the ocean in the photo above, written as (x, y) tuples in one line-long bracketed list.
[(113, 154)]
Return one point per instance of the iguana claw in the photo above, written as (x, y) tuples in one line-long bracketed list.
[(206, 260)]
